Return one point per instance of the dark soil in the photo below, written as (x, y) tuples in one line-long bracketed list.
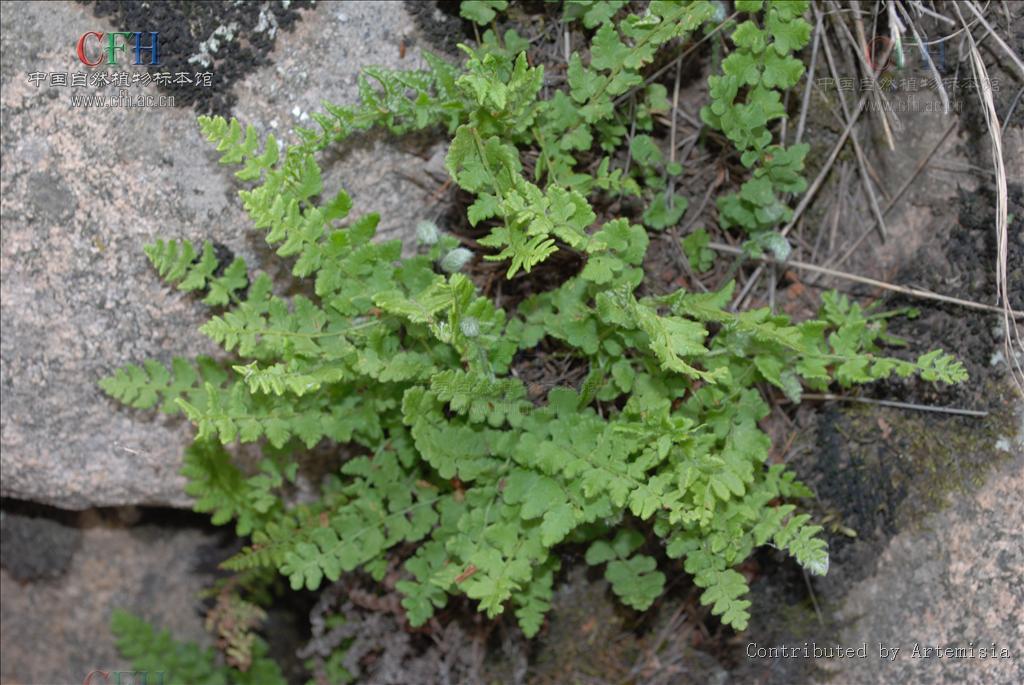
[(440, 24), (878, 471), (970, 271)]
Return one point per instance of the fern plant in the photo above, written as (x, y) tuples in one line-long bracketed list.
[(457, 471), (745, 99), (160, 658)]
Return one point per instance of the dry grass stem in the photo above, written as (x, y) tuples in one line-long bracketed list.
[(906, 290)]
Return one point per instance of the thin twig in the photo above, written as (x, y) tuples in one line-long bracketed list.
[(814, 600), (690, 142), (672, 132), (820, 178), (1006, 48), (931, 63), (906, 290), (844, 196), (650, 79), (675, 108), (810, 80), (671, 626), (676, 231), (1012, 335), (962, 168), (836, 210), (861, 161), (899, 193), (892, 403), (784, 124), (806, 199), (700, 208), (948, 36), (868, 70), (632, 132), (1013, 106), (919, 6)]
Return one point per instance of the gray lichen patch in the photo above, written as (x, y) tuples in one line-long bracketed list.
[(84, 189)]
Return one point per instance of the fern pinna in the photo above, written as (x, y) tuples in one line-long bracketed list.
[(454, 470)]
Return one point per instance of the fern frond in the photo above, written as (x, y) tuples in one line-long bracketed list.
[(296, 377), (480, 398), (392, 506), (153, 384), (238, 147), (231, 413), (669, 338), (399, 101), (269, 545), (177, 263), (150, 651), (220, 488)]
